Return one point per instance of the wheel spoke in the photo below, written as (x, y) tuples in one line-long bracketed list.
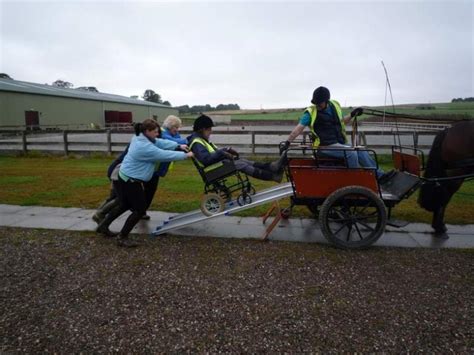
[(358, 231), (349, 232), (366, 225), (343, 225)]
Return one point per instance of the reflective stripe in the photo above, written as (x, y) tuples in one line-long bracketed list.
[(211, 148), (313, 112)]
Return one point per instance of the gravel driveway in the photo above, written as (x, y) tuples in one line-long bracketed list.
[(71, 292)]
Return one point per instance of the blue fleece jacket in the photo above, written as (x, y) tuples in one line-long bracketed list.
[(202, 154), (143, 154), (165, 134)]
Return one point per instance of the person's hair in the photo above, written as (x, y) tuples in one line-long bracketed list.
[(147, 125), (172, 122)]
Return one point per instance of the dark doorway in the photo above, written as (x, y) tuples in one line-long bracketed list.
[(32, 120), (117, 118)]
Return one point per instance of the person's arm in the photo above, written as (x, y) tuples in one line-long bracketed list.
[(296, 132), (206, 158), (151, 153), (177, 138), (165, 144)]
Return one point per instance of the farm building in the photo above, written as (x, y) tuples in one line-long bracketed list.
[(38, 106)]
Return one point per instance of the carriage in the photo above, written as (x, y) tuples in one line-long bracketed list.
[(351, 205)]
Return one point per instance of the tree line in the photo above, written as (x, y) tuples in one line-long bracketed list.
[(466, 99), (205, 108)]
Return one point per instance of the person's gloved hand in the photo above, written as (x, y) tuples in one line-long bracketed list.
[(228, 155), (233, 152), (284, 146), (357, 112)]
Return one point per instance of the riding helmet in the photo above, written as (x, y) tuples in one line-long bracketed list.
[(321, 95), (202, 121)]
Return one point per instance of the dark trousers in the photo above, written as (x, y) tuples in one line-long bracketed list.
[(150, 190), (132, 197)]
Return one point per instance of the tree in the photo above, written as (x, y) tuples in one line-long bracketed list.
[(88, 88), (5, 76), (63, 84), (167, 103), (150, 95)]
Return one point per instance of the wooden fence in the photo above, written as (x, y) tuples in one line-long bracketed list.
[(67, 141)]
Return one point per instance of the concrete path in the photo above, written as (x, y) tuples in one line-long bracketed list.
[(414, 235)]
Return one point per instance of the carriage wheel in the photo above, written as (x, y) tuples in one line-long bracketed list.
[(353, 217), (244, 199), (211, 204)]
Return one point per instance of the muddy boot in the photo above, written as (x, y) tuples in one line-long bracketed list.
[(104, 209), (278, 165), (125, 242), (103, 227), (99, 215), (267, 175)]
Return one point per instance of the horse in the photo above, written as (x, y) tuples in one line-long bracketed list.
[(451, 155)]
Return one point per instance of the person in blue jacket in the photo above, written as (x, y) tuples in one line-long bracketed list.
[(137, 168)]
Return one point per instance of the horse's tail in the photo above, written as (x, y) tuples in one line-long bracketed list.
[(428, 198)]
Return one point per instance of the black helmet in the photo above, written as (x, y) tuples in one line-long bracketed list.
[(202, 121), (321, 95)]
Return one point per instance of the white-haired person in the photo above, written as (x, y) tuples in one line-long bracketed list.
[(170, 130)]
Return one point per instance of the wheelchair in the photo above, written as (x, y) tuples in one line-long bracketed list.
[(221, 180)]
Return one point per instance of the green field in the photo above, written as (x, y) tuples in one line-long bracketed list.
[(82, 182), (439, 110)]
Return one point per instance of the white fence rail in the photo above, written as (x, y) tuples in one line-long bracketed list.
[(247, 141)]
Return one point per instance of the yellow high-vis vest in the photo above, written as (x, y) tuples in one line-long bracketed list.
[(211, 148), (314, 114)]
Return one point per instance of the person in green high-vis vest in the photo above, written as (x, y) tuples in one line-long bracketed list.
[(327, 125), (208, 156)]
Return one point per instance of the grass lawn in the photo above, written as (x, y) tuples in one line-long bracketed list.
[(82, 182)]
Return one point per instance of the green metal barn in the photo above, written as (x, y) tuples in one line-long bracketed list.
[(37, 106)]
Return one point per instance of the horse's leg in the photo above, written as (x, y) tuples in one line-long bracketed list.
[(438, 221)]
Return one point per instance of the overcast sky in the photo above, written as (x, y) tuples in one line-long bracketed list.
[(256, 54)]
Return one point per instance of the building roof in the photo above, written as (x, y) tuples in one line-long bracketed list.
[(49, 90)]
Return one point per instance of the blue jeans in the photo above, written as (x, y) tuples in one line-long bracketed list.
[(355, 158)]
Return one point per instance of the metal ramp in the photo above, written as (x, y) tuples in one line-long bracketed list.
[(185, 219)]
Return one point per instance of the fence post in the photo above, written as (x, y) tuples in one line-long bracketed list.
[(66, 151), (109, 142), (253, 142), (23, 141), (415, 139)]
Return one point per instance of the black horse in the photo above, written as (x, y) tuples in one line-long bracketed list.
[(451, 155)]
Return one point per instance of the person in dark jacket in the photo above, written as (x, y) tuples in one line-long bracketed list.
[(208, 156)]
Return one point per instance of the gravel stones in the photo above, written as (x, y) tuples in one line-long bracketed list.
[(77, 292)]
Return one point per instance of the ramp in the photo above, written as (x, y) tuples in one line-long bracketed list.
[(185, 219)]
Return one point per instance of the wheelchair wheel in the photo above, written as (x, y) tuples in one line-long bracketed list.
[(244, 199), (251, 190), (212, 204)]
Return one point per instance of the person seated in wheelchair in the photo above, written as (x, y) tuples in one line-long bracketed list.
[(207, 154), (327, 124)]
